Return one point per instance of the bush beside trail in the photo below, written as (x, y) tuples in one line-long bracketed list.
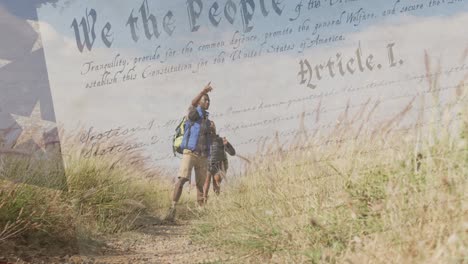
[(102, 195)]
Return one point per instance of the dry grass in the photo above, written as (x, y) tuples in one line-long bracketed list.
[(387, 193), (90, 195)]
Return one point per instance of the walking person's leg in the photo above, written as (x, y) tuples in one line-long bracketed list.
[(206, 187), (218, 177), (217, 183), (178, 190), (201, 171), (183, 177)]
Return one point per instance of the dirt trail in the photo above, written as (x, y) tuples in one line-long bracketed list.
[(158, 243), (151, 242)]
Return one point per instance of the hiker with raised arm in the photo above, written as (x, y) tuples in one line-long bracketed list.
[(196, 147), (217, 162)]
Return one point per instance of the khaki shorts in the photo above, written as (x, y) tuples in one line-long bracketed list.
[(191, 161)]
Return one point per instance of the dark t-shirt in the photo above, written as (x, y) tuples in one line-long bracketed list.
[(218, 150)]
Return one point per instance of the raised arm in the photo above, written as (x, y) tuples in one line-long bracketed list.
[(205, 90)]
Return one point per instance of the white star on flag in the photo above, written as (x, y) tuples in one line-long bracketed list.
[(34, 127)]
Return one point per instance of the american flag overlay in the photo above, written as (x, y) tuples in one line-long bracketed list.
[(28, 130)]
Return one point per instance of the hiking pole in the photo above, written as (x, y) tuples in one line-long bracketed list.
[(243, 158)]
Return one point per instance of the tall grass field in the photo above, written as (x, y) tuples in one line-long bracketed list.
[(387, 193), (390, 192)]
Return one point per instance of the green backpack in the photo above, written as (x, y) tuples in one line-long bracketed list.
[(178, 137)]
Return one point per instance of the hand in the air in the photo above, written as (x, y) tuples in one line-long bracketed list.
[(207, 88)]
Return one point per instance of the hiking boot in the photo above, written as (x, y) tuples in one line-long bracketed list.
[(170, 217)]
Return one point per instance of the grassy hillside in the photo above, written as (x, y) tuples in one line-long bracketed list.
[(361, 194)]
